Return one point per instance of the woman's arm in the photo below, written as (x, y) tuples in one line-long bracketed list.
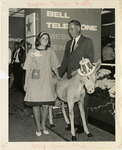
[(27, 67), (26, 79)]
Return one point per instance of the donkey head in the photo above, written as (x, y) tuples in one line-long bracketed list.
[(89, 79)]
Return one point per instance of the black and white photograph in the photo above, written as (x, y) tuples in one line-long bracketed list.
[(62, 68)]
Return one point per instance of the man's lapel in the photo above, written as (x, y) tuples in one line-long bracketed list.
[(77, 46), (80, 42), (69, 46)]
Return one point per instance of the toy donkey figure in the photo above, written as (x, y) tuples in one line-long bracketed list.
[(73, 90)]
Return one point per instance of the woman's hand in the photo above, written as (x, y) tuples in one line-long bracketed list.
[(22, 65), (59, 78), (25, 87)]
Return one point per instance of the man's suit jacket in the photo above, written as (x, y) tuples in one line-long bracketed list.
[(21, 55), (83, 48)]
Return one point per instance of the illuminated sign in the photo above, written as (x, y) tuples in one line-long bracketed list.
[(54, 25), (57, 25), (57, 14), (64, 15), (89, 27)]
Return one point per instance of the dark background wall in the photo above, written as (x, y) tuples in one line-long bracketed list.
[(108, 30), (16, 30)]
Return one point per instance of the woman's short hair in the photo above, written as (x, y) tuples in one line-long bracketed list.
[(37, 42)]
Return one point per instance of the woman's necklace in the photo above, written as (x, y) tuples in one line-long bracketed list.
[(37, 53), (39, 49)]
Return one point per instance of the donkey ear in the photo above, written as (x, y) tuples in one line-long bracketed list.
[(98, 64)]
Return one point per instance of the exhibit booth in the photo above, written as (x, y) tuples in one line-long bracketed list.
[(55, 22)]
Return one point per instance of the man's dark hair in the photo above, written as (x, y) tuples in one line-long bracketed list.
[(22, 42), (77, 23), (17, 43)]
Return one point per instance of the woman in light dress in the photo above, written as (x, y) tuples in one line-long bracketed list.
[(39, 87)]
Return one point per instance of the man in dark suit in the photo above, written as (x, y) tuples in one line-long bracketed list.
[(22, 48), (79, 46), (18, 58)]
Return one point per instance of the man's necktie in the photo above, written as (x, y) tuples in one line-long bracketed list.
[(73, 45), (15, 55)]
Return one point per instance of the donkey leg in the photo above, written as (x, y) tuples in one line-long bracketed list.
[(64, 114), (82, 113), (71, 116), (51, 116)]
